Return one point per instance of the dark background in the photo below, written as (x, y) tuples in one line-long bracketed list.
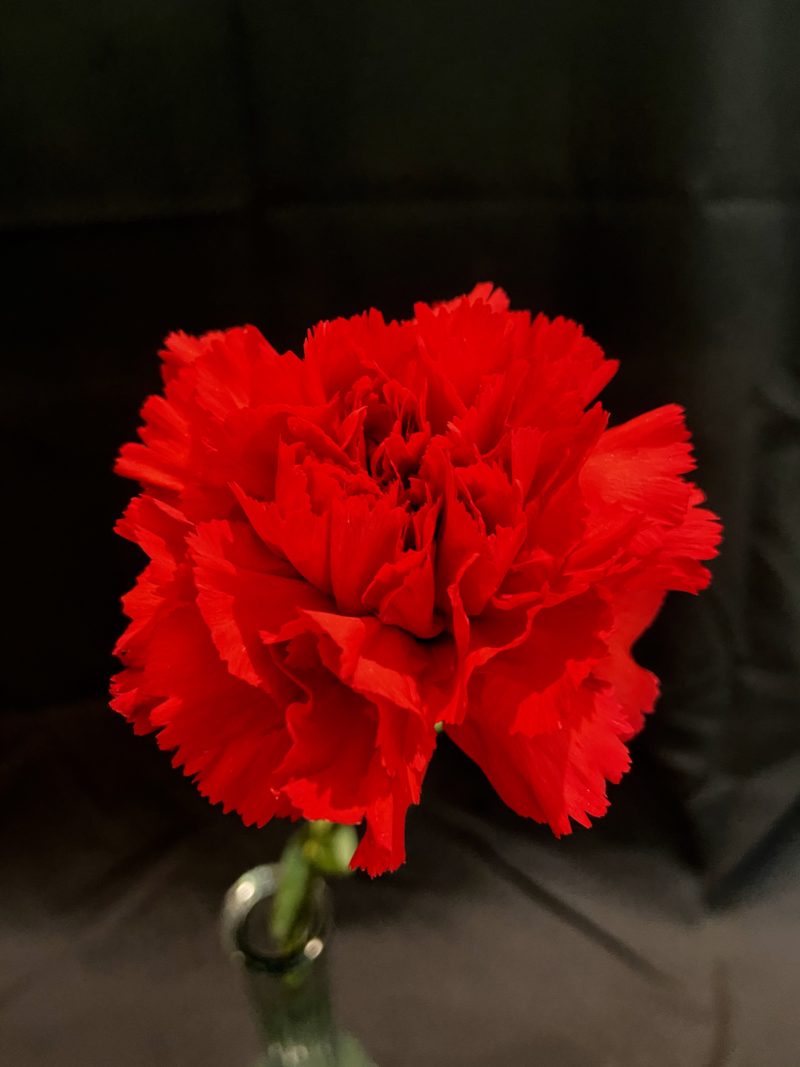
[(167, 165)]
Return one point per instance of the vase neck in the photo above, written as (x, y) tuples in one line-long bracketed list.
[(294, 1016), (289, 993)]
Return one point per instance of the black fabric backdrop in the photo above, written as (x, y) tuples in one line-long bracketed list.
[(173, 165)]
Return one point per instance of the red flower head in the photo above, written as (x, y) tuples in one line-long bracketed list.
[(417, 523)]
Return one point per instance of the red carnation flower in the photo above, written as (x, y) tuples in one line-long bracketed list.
[(420, 522)]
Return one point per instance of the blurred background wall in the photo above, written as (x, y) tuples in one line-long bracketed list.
[(173, 165)]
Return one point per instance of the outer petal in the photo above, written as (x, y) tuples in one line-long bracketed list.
[(559, 775), (634, 688), (382, 846), (360, 743), (515, 685), (330, 770), (407, 687), (228, 736), (244, 591), (638, 465)]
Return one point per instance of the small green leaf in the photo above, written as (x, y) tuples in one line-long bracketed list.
[(319, 828), (331, 854), (344, 842)]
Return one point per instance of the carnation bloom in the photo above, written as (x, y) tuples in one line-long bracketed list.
[(416, 523)]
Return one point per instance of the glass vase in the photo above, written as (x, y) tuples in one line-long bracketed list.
[(289, 991)]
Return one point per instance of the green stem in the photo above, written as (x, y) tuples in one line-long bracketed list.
[(316, 849)]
